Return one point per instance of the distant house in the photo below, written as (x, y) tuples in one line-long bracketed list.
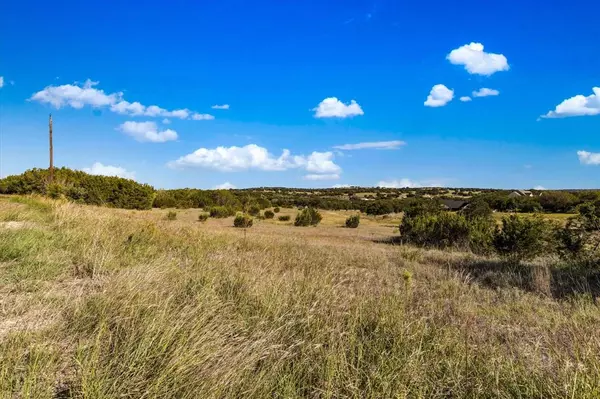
[(520, 193), (453, 205)]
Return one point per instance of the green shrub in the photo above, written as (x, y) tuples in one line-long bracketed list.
[(269, 214), (220, 212), (477, 208), (448, 230), (254, 210), (242, 221), (308, 217), (523, 238), (203, 217), (353, 221), (276, 209), (55, 190), (172, 215), (80, 186), (284, 218)]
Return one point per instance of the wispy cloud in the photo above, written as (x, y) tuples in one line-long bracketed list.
[(375, 145)]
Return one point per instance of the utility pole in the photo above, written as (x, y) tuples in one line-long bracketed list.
[(51, 169)]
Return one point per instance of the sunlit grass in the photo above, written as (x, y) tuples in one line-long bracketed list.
[(101, 303)]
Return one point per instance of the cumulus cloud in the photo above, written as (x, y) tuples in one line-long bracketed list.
[(465, 99), (147, 132), (76, 96), (439, 96), (79, 96), (225, 186), (332, 176), (376, 145), (476, 61), (341, 186), (539, 188), (579, 105), (485, 92), (166, 121), (1, 82), (333, 108), (254, 157), (109, 170), (224, 106), (589, 158), (408, 183)]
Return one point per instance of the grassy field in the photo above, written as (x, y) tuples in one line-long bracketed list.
[(104, 303)]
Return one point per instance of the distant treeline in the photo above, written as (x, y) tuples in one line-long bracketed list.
[(123, 193)]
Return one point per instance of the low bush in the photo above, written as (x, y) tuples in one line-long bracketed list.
[(308, 217), (276, 209), (269, 214), (220, 212), (524, 238), (203, 217), (447, 230), (254, 210), (284, 218), (172, 215), (242, 221), (353, 221)]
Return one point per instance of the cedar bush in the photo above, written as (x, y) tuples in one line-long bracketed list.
[(242, 221), (81, 187), (203, 217), (254, 210), (220, 212), (276, 209), (269, 214), (308, 217), (284, 218), (524, 238), (353, 221)]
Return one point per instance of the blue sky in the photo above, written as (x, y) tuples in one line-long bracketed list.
[(318, 93)]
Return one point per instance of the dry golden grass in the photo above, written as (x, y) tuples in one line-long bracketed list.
[(101, 303)]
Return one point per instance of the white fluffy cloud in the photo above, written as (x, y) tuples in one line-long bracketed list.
[(1, 82), (108, 170), (79, 96), (540, 188), (224, 106), (377, 145), (331, 176), (408, 183), (439, 96), (254, 157), (476, 61), (166, 121), (579, 105), (341, 186), (333, 108), (147, 132), (225, 186), (589, 158), (321, 162), (485, 92), (76, 96), (465, 99)]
